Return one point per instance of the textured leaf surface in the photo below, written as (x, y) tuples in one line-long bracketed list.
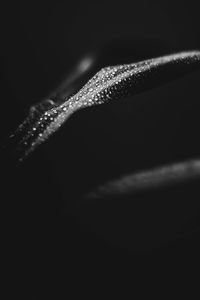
[(110, 83)]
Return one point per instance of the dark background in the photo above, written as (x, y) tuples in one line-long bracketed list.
[(54, 241)]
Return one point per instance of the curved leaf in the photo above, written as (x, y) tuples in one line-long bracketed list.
[(110, 83)]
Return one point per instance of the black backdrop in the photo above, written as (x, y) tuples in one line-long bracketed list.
[(52, 238)]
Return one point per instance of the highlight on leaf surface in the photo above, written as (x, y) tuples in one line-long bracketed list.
[(145, 180), (110, 83)]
